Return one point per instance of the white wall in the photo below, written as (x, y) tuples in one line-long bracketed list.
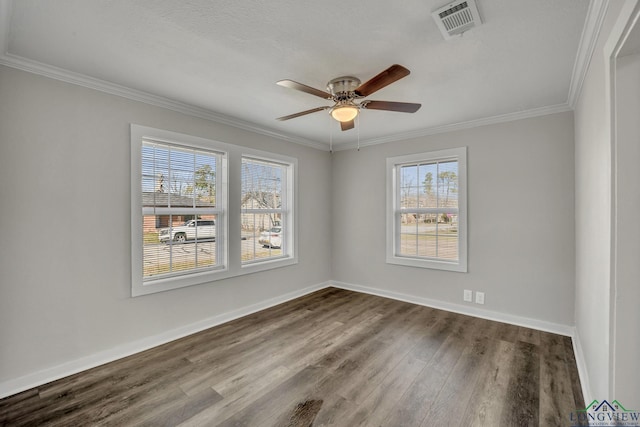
[(521, 210), (65, 224), (593, 216)]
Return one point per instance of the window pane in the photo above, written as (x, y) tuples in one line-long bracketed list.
[(155, 175), (261, 184), (409, 197), (448, 237), (172, 245), (448, 247), (428, 210), (408, 234), (263, 212), (181, 176), (261, 236), (448, 184), (409, 186), (435, 186), (177, 177), (427, 174), (427, 236), (408, 244), (182, 180), (156, 256), (205, 179), (408, 176)]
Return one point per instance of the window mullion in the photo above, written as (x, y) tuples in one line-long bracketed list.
[(193, 203), (437, 203), (398, 234), (170, 247)]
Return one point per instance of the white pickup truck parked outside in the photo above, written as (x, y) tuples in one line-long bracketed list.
[(202, 228)]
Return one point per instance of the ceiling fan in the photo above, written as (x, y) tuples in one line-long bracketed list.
[(344, 91)]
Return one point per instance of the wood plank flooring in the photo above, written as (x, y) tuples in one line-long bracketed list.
[(333, 357)]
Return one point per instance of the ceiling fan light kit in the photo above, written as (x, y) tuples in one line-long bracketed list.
[(344, 113), (344, 91)]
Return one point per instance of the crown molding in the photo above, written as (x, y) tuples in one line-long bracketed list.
[(590, 33), (78, 79), (67, 76), (503, 118)]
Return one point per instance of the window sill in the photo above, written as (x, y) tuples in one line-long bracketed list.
[(176, 282), (257, 266), (427, 263)]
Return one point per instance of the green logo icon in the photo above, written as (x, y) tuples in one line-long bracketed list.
[(605, 413)]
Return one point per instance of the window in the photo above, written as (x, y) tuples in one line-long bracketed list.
[(203, 210), (426, 210), (264, 209), (176, 183)]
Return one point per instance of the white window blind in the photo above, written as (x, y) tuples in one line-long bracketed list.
[(199, 209), (180, 210)]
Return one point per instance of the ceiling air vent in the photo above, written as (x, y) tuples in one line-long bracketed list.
[(456, 18)]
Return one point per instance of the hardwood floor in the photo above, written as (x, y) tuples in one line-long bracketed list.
[(333, 357)]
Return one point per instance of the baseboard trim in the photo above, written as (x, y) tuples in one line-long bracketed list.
[(512, 319), (26, 382), (582, 368)]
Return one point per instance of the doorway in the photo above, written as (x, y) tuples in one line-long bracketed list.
[(625, 382)]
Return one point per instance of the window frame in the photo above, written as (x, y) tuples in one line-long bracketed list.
[(228, 197), (290, 256), (394, 210)]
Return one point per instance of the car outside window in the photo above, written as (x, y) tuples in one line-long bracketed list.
[(178, 181), (266, 202), (181, 205)]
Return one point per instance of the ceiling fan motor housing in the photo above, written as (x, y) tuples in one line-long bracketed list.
[(342, 88)]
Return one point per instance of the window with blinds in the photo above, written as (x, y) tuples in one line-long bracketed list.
[(427, 210), (180, 210), (264, 210), (204, 210)]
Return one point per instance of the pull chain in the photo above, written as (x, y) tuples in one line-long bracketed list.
[(330, 136), (358, 127)]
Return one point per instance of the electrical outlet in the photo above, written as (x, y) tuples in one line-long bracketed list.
[(468, 295), (479, 297)]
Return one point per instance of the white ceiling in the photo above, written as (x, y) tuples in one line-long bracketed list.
[(223, 57)]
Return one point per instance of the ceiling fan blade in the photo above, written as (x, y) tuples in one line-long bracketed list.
[(403, 107), (304, 88), (301, 113), (347, 125), (385, 78)]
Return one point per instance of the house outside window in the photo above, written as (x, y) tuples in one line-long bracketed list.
[(426, 210), (203, 210), (183, 211)]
